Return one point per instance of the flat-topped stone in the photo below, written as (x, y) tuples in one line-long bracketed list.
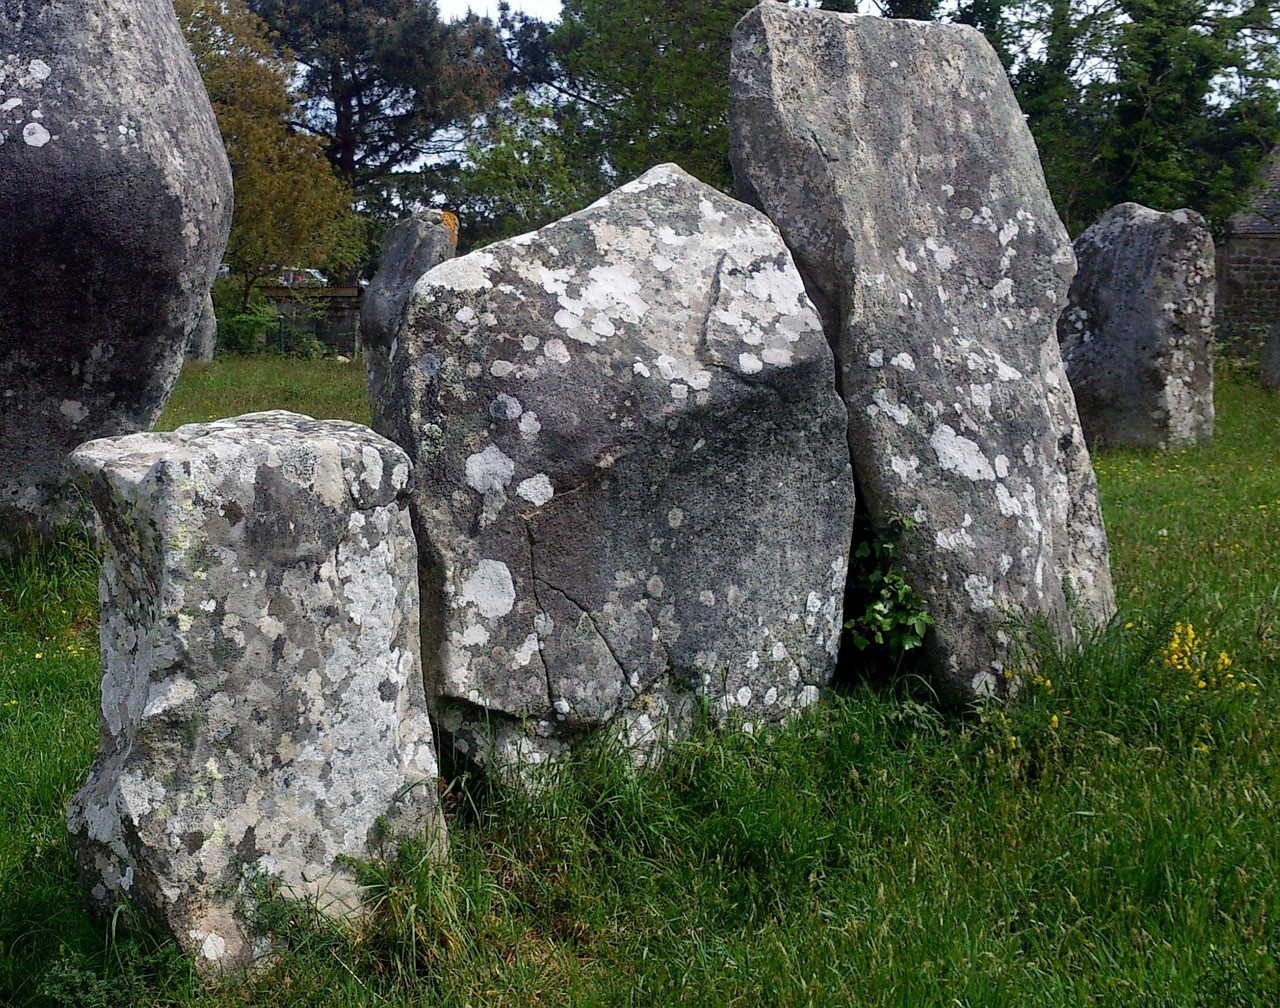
[(263, 715)]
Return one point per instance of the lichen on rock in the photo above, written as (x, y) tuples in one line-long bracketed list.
[(115, 206), (896, 163), (1137, 335), (263, 715), (633, 488)]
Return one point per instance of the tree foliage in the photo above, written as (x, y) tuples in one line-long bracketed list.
[(290, 208), (1165, 102), (521, 171), (387, 83), (652, 80)]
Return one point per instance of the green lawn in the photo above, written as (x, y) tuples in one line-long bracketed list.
[(232, 385), (1113, 838)]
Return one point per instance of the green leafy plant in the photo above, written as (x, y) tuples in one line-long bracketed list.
[(307, 346), (245, 332), (893, 616)]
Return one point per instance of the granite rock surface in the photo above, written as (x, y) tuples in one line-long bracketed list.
[(632, 483), (115, 205), (263, 714), (897, 165), (204, 337), (1137, 335), (412, 247)]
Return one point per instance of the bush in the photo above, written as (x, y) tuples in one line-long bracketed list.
[(245, 332), (306, 346)]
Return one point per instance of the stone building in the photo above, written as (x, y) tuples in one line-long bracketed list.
[(1249, 257)]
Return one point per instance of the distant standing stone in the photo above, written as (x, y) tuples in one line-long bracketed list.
[(412, 247), (115, 203), (896, 163), (633, 484), (204, 338), (263, 714), (1137, 335), (1269, 359)]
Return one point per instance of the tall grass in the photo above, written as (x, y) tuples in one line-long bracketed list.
[(1111, 838)]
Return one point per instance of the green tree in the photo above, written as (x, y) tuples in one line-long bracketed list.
[(1165, 102), (652, 80), (1168, 102), (290, 208), (521, 172), (387, 84)]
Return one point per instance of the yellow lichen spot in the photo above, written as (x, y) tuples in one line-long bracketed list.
[(450, 222)]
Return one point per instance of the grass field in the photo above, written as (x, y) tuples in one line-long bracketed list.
[(1113, 838), (233, 385)]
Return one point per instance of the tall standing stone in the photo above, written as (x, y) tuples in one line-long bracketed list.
[(632, 482), (896, 163), (412, 247), (204, 337), (115, 204), (263, 716), (1137, 335), (1269, 359)]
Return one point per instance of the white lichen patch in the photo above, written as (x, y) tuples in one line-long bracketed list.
[(960, 455), (536, 489), (462, 275), (489, 470), (490, 589)]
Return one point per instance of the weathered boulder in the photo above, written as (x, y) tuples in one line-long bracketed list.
[(894, 160), (204, 337), (115, 203), (632, 486), (1137, 335), (412, 247), (263, 714), (1269, 359)]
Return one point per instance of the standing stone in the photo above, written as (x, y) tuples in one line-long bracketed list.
[(1137, 335), (412, 247), (263, 715), (895, 161), (1269, 359), (204, 338), (633, 485), (115, 204)]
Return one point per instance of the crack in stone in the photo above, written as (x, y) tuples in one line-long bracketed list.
[(702, 349), (622, 669), (533, 579)]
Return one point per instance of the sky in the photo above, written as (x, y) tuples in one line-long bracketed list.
[(548, 10)]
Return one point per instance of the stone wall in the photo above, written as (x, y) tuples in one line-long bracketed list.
[(1249, 281)]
